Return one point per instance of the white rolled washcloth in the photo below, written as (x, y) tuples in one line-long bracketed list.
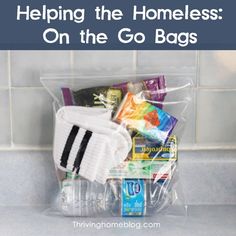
[(88, 143)]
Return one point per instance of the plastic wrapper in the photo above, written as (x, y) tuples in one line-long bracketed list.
[(111, 96), (148, 120), (116, 143)]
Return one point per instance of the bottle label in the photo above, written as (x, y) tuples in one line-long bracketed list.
[(133, 197)]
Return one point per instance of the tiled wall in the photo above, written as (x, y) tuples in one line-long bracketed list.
[(35, 182), (26, 111)]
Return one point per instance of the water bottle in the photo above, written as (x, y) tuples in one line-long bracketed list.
[(80, 197), (119, 197)]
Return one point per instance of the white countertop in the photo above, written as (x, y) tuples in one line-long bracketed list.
[(201, 220), (207, 177)]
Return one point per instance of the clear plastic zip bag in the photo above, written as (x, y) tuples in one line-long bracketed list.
[(116, 143)]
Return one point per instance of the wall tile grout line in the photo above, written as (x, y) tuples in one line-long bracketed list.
[(4, 88), (72, 60), (196, 95), (18, 88), (198, 69), (10, 96), (135, 61), (16, 148), (216, 89), (182, 148)]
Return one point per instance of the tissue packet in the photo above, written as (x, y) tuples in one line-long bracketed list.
[(133, 197), (150, 121)]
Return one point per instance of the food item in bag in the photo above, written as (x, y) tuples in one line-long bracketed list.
[(111, 96), (93, 97), (150, 121), (67, 97), (142, 170), (144, 149), (154, 89)]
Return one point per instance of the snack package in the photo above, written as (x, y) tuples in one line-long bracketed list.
[(150, 121), (111, 96), (154, 89), (142, 170), (93, 97), (144, 149)]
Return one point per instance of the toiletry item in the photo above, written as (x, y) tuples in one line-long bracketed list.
[(137, 197), (133, 197), (150, 121)]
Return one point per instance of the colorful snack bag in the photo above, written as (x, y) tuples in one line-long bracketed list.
[(150, 121), (154, 88)]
